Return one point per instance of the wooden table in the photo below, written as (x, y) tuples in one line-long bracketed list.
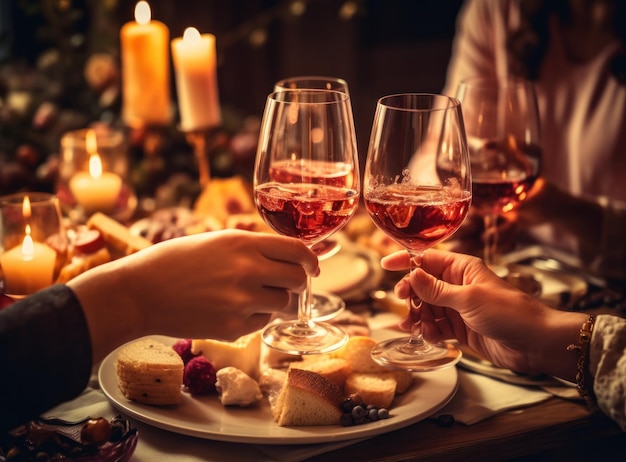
[(553, 430)]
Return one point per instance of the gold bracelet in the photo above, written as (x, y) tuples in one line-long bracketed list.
[(582, 348)]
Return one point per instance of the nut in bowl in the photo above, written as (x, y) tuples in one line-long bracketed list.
[(88, 440)]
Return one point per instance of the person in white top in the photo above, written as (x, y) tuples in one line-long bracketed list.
[(575, 53)]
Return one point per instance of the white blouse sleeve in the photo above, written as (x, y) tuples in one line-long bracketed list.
[(479, 46), (607, 363)]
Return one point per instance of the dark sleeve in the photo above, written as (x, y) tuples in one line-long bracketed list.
[(45, 354)]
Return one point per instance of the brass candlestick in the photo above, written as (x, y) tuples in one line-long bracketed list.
[(200, 141)]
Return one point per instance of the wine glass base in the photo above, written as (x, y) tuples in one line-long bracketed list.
[(325, 306), (296, 338), (402, 355)]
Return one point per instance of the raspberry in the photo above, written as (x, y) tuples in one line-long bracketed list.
[(199, 376), (183, 348)]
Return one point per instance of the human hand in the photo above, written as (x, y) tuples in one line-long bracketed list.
[(465, 300), (220, 284)]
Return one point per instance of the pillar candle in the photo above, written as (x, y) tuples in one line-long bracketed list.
[(145, 70), (28, 267), (194, 58)]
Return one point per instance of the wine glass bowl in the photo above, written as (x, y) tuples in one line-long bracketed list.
[(502, 125), (417, 190), (306, 185)]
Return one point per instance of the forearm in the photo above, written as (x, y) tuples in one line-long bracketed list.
[(45, 354), (105, 295)]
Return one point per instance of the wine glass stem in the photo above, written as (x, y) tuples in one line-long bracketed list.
[(491, 238), (416, 340), (304, 306)]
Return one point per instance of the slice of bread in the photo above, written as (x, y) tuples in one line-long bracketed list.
[(118, 237), (243, 353), (358, 353), (81, 263), (307, 398), (376, 389), (150, 372), (334, 369)]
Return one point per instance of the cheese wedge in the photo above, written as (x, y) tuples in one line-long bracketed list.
[(243, 353)]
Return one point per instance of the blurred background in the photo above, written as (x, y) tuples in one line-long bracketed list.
[(59, 65)]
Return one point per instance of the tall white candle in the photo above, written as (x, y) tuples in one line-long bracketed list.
[(145, 69), (195, 66), (95, 191), (28, 267)]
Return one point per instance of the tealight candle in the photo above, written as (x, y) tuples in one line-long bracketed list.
[(195, 63), (28, 267), (145, 69), (95, 191)]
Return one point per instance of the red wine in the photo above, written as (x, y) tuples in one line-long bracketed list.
[(418, 217), (338, 174), (310, 212), (499, 195), (502, 174)]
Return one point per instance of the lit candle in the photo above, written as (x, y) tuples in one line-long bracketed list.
[(29, 266), (145, 70), (96, 191), (194, 58)]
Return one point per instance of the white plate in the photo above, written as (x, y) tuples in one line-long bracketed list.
[(484, 367), (205, 417)]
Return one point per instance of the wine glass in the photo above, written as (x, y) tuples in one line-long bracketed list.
[(502, 126), (306, 185), (312, 82), (417, 190), (33, 243), (325, 305)]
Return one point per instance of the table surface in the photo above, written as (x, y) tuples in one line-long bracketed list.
[(553, 429)]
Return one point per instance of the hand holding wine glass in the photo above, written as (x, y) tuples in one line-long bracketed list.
[(417, 189), (306, 185), (502, 125)]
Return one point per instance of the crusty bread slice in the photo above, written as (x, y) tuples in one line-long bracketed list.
[(81, 263), (334, 369), (243, 353), (307, 398), (358, 353), (376, 389), (117, 236), (150, 372)]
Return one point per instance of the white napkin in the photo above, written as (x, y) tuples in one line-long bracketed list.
[(480, 397)]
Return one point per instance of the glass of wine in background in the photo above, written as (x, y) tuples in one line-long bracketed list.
[(325, 305), (417, 190), (306, 185), (502, 125), (312, 82)]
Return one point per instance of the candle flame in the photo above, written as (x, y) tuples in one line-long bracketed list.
[(142, 12), (28, 247), (95, 166), (95, 163), (26, 207), (191, 35)]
